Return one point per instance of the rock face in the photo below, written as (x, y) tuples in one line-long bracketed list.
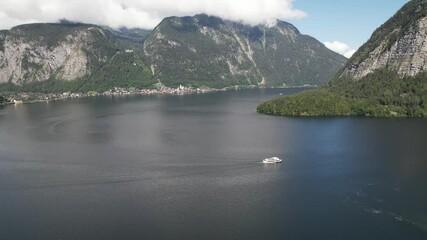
[(38, 52), (203, 49), (400, 44)]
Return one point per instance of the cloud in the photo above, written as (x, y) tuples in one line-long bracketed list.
[(340, 48), (142, 13)]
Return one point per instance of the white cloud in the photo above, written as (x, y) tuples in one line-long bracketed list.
[(142, 13), (340, 48)]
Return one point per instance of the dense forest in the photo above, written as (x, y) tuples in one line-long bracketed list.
[(381, 94), (3, 100)]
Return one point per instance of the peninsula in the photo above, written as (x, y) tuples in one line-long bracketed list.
[(386, 77)]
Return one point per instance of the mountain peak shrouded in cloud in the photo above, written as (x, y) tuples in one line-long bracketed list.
[(143, 13)]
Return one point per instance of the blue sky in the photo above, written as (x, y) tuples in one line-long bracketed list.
[(347, 21)]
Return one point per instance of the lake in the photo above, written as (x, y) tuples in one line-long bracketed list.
[(188, 167)]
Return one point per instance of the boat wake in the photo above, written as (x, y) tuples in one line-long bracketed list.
[(372, 200)]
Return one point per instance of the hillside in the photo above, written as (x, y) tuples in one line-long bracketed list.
[(385, 77), (191, 51)]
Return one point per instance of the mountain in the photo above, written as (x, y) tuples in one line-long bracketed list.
[(399, 45), (37, 52), (206, 50), (70, 56), (387, 76), (196, 51)]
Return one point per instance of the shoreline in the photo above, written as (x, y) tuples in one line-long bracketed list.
[(28, 97)]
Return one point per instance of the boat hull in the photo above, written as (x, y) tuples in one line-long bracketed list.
[(272, 160)]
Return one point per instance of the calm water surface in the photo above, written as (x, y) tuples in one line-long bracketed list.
[(187, 167)]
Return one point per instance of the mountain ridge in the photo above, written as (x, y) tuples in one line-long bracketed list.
[(216, 53)]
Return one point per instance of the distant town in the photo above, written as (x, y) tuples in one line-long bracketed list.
[(26, 97), (18, 98)]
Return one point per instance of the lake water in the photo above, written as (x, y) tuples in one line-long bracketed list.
[(187, 167)]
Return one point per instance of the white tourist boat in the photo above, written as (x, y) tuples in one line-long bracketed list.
[(272, 160)]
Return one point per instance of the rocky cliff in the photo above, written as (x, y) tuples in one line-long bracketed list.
[(400, 44), (38, 52)]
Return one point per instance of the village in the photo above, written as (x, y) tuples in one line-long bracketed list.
[(19, 98)]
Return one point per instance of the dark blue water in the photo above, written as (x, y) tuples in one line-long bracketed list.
[(187, 167)]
